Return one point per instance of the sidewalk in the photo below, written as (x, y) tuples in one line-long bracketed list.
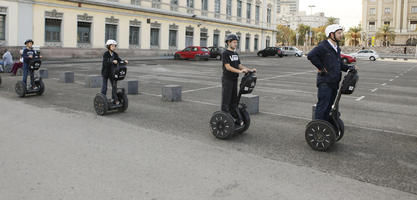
[(75, 155)]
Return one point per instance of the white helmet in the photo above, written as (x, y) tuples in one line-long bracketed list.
[(110, 42), (332, 28)]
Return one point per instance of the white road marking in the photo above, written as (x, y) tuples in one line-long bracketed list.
[(374, 90), (360, 98), (391, 79), (384, 84)]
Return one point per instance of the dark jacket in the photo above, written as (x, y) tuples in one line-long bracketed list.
[(325, 57), (107, 70), (28, 52)]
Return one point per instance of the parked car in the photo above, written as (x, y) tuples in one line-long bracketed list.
[(193, 52), (347, 59), (216, 52), (292, 51), (366, 55), (270, 51)]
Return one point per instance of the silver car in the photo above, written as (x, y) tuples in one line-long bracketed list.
[(292, 51), (366, 55)]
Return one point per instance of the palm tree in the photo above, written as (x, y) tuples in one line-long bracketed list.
[(331, 20), (354, 34), (385, 34), (284, 34), (302, 30)]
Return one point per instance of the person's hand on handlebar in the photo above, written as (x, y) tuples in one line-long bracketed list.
[(126, 62), (244, 71), (115, 61)]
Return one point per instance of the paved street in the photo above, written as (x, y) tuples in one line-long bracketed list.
[(55, 147)]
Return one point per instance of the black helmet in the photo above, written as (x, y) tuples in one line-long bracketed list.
[(29, 40), (231, 37)]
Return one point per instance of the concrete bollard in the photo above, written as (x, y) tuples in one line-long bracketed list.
[(131, 86), (171, 93), (67, 77), (43, 73), (252, 103), (19, 72), (93, 81), (313, 112)]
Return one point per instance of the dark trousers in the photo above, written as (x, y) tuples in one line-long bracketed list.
[(229, 97), (113, 89), (326, 96), (26, 71)]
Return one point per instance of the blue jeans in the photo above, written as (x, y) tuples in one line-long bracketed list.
[(326, 96), (113, 90), (26, 70)]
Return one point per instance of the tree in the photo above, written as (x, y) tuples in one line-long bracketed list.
[(331, 20), (353, 35), (386, 35), (302, 30), (284, 34), (319, 34)]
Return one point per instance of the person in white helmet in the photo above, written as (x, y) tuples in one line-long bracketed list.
[(326, 58), (110, 60)]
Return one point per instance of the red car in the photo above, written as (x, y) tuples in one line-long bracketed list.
[(347, 59), (193, 52)]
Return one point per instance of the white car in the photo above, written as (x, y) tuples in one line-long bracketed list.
[(366, 55), (291, 51)]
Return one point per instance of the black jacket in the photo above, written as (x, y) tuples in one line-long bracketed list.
[(108, 67), (325, 57)]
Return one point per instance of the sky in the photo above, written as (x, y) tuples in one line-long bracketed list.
[(349, 12)]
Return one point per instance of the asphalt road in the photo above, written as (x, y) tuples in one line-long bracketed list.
[(380, 140)]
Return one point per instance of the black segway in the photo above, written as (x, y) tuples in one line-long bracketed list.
[(223, 124), (38, 87), (320, 134), (102, 105)]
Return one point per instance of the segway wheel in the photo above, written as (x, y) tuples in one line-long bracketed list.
[(41, 86), (222, 125), (320, 135), (246, 121), (341, 132), (123, 100), (0, 80), (100, 104), (20, 89)]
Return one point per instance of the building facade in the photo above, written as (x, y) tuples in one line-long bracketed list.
[(293, 20), (164, 25), (294, 5), (399, 15)]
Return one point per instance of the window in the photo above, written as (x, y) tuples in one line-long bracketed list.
[(414, 9), (239, 8), (387, 23), (174, 5), (268, 41), (154, 37), (238, 42), (190, 6), (156, 3), (217, 8), (229, 7), (204, 5), (257, 10), (135, 2), (83, 32), (189, 37), (111, 32), (413, 25), (372, 11), (134, 35), (387, 11), (268, 15), (52, 30), (2, 27), (216, 39), (247, 42), (256, 40), (248, 12), (203, 38), (372, 26), (173, 38)]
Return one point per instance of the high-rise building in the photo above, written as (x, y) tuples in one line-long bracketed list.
[(293, 5)]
